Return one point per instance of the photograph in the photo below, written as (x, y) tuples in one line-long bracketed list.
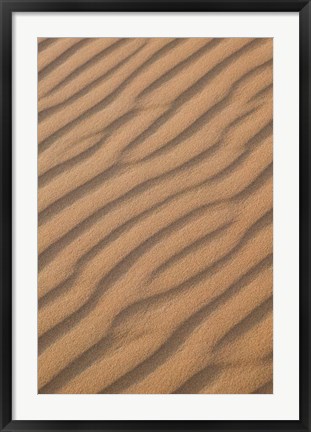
[(155, 215)]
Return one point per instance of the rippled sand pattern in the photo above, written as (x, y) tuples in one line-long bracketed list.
[(155, 215)]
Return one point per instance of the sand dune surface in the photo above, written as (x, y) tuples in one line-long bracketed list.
[(155, 215)]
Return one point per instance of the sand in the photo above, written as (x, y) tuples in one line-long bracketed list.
[(155, 215)]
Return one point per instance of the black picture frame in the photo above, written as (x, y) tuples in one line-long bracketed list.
[(7, 8)]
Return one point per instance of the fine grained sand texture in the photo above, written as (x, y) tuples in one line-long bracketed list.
[(155, 215)]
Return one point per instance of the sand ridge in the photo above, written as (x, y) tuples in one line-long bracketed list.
[(155, 215)]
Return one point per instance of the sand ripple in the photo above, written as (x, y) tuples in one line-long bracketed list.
[(155, 215)]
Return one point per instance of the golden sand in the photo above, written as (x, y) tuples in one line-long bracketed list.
[(155, 215)]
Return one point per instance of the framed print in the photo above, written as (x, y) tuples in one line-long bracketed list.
[(155, 215)]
